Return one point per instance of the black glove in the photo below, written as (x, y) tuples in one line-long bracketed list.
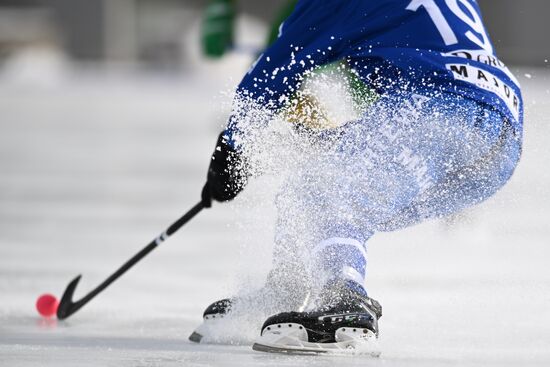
[(227, 174)]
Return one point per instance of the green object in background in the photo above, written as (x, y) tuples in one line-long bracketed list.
[(329, 96), (219, 22), (281, 16), (218, 27)]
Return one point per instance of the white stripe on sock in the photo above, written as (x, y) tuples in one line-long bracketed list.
[(340, 241), (352, 274)]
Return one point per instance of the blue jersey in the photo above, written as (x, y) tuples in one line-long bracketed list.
[(421, 46)]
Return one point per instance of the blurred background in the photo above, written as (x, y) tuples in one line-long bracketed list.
[(155, 33), (108, 115)]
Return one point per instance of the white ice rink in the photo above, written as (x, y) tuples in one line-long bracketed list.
[(94, 165)]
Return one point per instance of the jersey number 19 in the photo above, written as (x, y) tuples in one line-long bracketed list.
[(473, 20)]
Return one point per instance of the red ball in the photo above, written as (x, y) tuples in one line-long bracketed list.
[(46, 305)]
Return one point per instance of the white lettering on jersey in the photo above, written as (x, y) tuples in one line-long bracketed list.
[(473, 20), (485, 58), (438, 18), (489, 82)]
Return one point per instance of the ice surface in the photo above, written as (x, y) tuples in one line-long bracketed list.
[(93, 166)]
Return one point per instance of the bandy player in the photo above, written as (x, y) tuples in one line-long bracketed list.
[(443, 133)]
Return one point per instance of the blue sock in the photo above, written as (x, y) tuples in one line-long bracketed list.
[(341, 260)]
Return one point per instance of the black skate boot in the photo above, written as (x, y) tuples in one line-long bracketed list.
[(219, 310), (250, 308), (343, 319)]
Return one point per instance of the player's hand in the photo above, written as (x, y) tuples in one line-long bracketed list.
[(227, 174), (217, 27)]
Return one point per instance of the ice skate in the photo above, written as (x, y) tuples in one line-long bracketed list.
[(248, 309), (212, 314), (344, 321)]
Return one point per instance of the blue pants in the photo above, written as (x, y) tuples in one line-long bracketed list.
[(409, 159)]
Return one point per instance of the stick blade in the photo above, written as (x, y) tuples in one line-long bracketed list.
[(66, 306)]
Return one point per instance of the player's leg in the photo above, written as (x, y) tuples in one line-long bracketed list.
[(468, 184), (332, 203), (378, 168)]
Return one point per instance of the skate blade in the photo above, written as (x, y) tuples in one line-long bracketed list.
[(207, 328), (324, 348), (224, 330), (292, 339), (288, 350), (195, 337)]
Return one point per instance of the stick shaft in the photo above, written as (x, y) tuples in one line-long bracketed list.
[(68, 307), (147, 249)]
